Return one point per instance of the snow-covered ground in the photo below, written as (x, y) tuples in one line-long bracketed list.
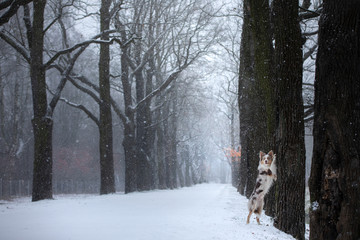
[(202, 212)]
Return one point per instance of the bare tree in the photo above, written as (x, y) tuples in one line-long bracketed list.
[(43, 109), (167, 47)]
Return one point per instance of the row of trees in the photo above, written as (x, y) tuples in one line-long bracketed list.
[(140, 83), (272, 112), (271, 106)]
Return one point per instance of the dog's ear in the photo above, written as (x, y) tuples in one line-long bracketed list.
[(261, 155), (271, 153)]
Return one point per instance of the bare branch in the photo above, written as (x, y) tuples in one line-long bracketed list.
[(52, 23), (64, 78), (27, 22), (15, 44), (79, 106), (164, 85), (308, 84), (307, 34), (87, 43), (307, 14), (71, 49), (144, 59), (310, 52), (13, 6)]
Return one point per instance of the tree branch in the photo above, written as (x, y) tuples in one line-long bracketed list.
[(27, 22), (307, 34), (13, 7), (64, 78), (164, 85), (310, 52), (307, 14), (71, 49), (79, 106), (15, 44), (116, 108)]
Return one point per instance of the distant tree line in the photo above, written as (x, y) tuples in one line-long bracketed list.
[(132, 80)]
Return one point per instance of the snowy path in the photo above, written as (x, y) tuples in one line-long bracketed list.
[(202, 212)]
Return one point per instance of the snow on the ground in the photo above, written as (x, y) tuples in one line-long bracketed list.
[(202, 212)]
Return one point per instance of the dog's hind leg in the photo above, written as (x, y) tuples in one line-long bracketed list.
[(258, 220), (248, 218), (258, 211)]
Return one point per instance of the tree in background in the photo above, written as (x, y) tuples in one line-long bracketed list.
[(334, 181), (164, 49), (32, 50), (105, 120), (42, 120)]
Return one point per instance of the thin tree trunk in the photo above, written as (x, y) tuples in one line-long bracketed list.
[(172, 139), (335, 169), (161, 157), (290, 216), (42, 122), (105, 123), (129, 145)]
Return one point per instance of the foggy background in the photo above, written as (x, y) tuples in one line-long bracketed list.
[(203, 110)]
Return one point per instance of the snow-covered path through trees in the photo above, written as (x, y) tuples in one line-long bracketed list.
[(206, 211)]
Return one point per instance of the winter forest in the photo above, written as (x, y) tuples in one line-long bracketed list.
[(167, 101)]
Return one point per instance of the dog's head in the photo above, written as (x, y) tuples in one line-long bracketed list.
[(266, 159)]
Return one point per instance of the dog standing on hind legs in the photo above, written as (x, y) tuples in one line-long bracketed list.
[(264, 180)]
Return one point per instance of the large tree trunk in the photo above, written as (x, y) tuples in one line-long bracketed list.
[(246, 75), (42, 121), (105, 126), (263, 60), (143, 159), (254, 88), (290, 216), (129, 143), (335, 170)]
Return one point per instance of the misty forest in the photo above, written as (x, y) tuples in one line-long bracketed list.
[(138, 100)]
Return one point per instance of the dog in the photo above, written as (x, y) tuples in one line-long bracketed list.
[(266, 177)]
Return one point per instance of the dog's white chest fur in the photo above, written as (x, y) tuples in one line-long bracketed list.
[(265, 178)]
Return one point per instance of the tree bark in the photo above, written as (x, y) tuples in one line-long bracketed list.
[(129, 143), (290, 216), (141, 136), (254, 88), (335, 170), (263, 61), (42, 121), (105, 123), (246, 74)]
